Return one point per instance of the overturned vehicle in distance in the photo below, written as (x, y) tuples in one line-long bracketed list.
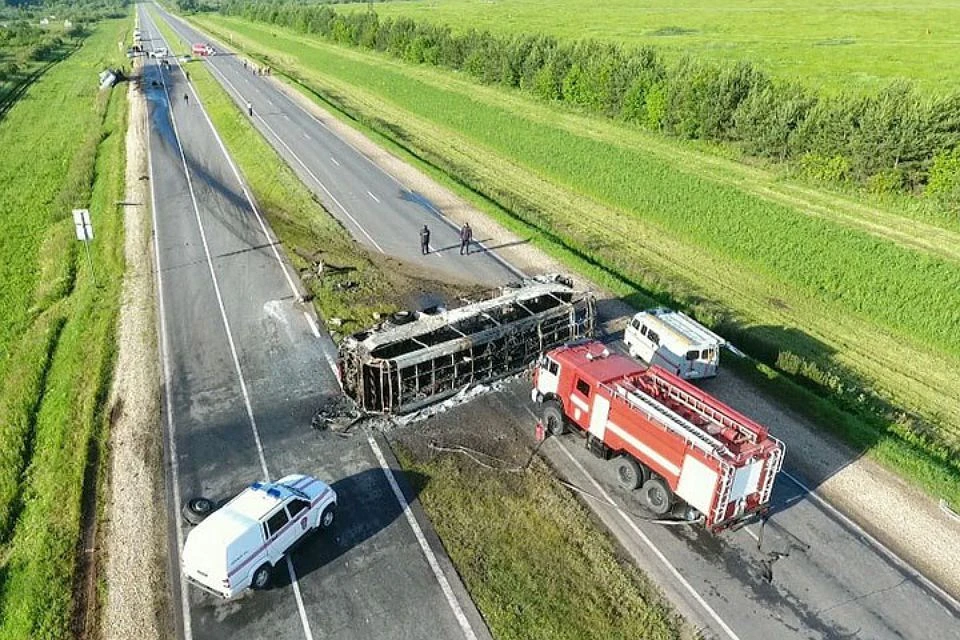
[(423, 357)]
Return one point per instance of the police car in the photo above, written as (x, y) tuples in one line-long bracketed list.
[(238, 545)]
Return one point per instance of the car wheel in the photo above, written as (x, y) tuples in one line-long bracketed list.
[(553, 420), (261, 577), (327, 518), (656, 496), (196, 510)]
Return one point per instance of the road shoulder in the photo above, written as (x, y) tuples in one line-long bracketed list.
[(137, 606)]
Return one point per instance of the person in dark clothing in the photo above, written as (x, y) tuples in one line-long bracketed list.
[(425, 240), (466, 237), (186, 99), (250, 109)]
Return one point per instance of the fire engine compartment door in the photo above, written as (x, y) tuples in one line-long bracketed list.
[(746, 480), (598, 417), (698, 484)]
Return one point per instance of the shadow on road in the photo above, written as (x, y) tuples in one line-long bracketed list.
[(367, 506)]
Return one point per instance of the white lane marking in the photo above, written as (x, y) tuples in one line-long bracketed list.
[(334, 161), (306, 135), (882, 548), (375, 198), (673, 571), (427, 551), (172, 444), (296, 594), (226, 324), (302, 164), (313, 325)]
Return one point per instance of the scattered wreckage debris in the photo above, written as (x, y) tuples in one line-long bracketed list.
[(338, 414), (418, 358)]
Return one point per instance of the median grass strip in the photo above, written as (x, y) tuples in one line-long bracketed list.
[(531, 558), (63, 148), (772, 278), (545, 570)]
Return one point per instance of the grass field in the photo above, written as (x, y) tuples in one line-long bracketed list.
[(533, 562), (509, 588), (785, 269), (62, 148), (825, 42)]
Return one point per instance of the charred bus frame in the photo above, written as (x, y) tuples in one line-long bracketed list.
[(397, 369)]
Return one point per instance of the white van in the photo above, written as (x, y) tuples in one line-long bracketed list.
[(674, 341), (238, 545)]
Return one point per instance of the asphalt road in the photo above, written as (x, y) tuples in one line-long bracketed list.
[(245, 368), (809, 574), (379, 211)]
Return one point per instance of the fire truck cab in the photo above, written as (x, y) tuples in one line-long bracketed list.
[(687, 453)]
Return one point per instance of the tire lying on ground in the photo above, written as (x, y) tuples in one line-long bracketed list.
[(195, 510)]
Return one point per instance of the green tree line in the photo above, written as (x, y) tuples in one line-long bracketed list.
[(895, 139)]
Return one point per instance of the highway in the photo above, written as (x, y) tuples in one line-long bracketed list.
[(810, 573), (245, 367)]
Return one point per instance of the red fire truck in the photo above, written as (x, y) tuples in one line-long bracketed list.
[(687, 452)]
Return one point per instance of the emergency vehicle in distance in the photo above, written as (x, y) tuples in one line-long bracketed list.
[(239, 544), (203, 49), (674, 341), (687, 452)]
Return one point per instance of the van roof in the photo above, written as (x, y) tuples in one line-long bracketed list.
[(257, 500), (680, 327)]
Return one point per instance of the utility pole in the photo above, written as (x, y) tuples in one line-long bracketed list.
[(81, 220)]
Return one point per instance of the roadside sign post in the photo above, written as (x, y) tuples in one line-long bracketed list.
[(81, 220)]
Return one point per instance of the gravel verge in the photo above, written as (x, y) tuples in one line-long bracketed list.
[(136, 599)]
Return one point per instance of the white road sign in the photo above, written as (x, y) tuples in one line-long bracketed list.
[(81, 219)]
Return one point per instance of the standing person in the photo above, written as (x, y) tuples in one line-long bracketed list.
[(186, 74), (244, 64), (250, 109), (425, 240), (466, 236), (186, 99)]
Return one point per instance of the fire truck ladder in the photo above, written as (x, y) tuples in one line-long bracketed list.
[(673, 421), (723, 493), (773, 466), (713, 414)]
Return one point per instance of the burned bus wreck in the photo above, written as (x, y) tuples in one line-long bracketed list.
[(396, 368)]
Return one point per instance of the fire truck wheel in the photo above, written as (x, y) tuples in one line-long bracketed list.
[(552, 416), (656, 496), (630, 475)]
